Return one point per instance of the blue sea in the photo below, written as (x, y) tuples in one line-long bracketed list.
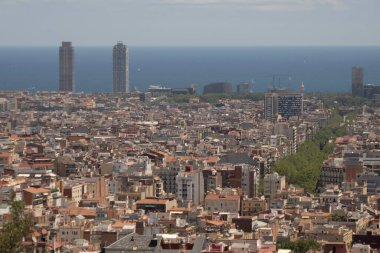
[(320, 68)]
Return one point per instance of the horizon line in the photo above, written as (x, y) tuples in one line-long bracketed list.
[(194, 46)]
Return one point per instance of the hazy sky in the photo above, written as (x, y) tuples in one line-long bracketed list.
[(190, 22)]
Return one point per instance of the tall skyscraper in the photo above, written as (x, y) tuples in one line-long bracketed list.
[(66, 67), (120, 68), (357, 81)]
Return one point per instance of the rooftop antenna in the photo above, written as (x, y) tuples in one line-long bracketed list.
[(302, 87)]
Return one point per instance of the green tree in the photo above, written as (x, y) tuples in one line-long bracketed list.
[(303, 167), (14, 231)]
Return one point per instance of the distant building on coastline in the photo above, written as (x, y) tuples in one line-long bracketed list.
[(157, 90), (243, 88), (66, 67), (359, 89), (120, 68), (220, 87), (371, 91), (357, 82)]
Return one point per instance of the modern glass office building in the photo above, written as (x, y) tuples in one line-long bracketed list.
[(120, 68), (66, 67)]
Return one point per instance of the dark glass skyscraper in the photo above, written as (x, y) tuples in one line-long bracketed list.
[(120, 68), (66, 67), (357, 81)]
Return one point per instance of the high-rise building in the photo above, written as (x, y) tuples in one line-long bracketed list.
[(249, 180), (357, 81), (4, 103), (284, 103), (270, 106), (290, 104), (190, 186), (66, 67), (120, 68)]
